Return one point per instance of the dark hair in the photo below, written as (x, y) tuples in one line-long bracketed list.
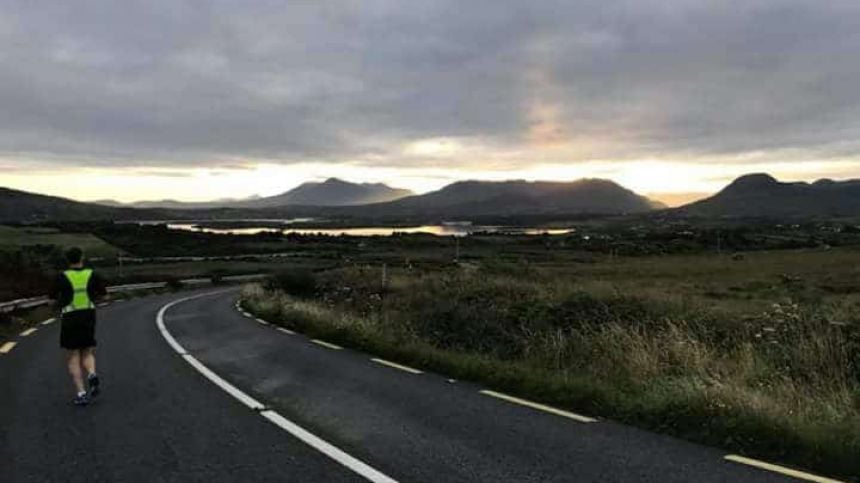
[(74, 255)]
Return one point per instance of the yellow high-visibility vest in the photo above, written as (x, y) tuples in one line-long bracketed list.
[(79, 279)]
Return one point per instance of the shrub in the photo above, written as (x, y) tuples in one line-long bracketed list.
[(217, 276), (298, 282), (174, 283)]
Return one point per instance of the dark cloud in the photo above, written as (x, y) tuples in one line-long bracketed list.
[(189, 83)]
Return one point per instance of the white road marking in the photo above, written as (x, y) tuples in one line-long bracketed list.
[(333, 452), (159, 321), (226, 386), (286, 331), (780, 469), (49, 321), (27, 332), (541, 407), (397, 366), (104, 304), (7, 347), (326, 344), (261, 321)]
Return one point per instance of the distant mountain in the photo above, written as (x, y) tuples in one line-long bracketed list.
[(761, 195), (331, 192), (485, 198), (177, 205), (21, 206)]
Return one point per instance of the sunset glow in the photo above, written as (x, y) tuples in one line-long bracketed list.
[(419, 98)]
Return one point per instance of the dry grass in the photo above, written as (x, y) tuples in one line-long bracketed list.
[(774, 375)]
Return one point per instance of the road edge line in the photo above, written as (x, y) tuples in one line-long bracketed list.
[(7, 347), (324, 447), (762, 465), (327, 448), (538, 406), (395, 365), (226, 386), (327, 344)]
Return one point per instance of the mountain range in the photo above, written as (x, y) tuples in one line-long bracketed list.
[(756, 195), (761, 195), (483, 198), (21, 206), (331, 192), (461, 199)]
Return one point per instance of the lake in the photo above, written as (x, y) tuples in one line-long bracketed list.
[(439, 230)]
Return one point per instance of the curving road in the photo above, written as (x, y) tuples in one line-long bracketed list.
[(329, 414)]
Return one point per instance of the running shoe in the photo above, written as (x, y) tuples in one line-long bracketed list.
[(93, 386), (81, 400)]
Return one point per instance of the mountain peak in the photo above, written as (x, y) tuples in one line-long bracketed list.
[(751, 183), (756, 179), (509, 197), (332, 192), (760, 195)]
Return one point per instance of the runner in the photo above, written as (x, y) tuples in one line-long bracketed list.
[(76, 290)]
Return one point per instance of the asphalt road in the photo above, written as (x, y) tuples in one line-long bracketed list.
[(159, 419)]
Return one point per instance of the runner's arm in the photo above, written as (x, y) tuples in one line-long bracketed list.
[(96, 287), (61, 292)]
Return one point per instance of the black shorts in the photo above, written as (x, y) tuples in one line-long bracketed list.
[(78, 330)]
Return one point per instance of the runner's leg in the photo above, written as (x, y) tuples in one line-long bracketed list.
[(88, 360), (74, 365)]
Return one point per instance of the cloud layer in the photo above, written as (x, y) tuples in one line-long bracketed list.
[(174, 84)]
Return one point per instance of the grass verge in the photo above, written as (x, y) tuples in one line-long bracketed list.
[(668, 380)]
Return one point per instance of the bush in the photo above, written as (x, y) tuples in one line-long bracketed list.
[(174, 283), (217, 276), (298, 282)]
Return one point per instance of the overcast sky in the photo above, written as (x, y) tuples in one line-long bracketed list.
[(197, 100)]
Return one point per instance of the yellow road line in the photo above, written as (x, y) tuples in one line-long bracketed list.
[(541, 407), (397, 366), (780, 469), (326, 344), (49, 321), (27, 332), (7, 347)]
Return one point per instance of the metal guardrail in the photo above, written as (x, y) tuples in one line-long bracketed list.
[(29, 303)]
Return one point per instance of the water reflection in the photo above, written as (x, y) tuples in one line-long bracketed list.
[(440, 230)]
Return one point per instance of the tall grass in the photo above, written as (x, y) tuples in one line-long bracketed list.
[(781, 383)]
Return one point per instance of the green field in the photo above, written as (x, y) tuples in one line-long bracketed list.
[(13, 238)]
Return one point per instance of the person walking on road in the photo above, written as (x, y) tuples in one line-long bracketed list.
[(76, 291)]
